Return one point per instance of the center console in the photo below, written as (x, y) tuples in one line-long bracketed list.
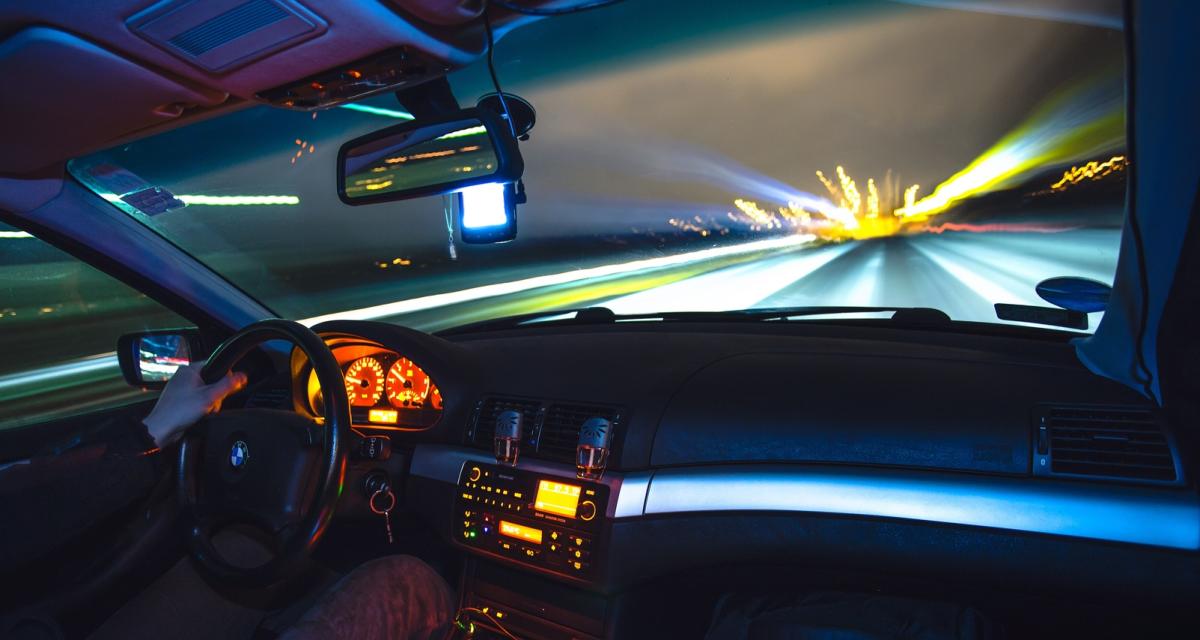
[(546, 522)]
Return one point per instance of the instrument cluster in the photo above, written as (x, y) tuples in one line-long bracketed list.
[(386, 389)]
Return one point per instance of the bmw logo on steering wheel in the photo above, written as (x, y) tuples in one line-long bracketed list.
[(239, 455)]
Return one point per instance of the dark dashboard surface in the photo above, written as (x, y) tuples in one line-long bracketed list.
[(725, 431), (807, 393)]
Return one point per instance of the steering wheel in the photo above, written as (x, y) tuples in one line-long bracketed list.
[(275, 471)]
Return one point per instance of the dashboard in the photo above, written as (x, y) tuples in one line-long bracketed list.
[(876, 448)]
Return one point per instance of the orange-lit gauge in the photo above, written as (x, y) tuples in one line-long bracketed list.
[(435, 398), (364, 382), (407, 385)]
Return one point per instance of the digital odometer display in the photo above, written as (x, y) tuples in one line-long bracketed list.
[(557, 498)]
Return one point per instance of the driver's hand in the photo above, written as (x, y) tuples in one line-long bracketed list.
[(185, 400)]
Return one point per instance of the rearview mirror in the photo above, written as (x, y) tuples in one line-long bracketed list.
[(428, 157), (149, 359)]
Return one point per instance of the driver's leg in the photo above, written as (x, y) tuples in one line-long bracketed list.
[(392, 597)]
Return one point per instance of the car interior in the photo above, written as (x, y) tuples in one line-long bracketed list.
[(713, 385)]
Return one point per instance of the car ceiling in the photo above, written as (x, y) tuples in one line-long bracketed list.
[(79, 78)]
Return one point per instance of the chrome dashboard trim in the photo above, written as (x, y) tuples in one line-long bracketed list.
[(1153, 516), (628, 498), (1116, 513)]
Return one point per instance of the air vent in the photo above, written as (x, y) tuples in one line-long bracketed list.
[(560, 428), (1109, 442), (484, 424), (219, 35), (551, 429)]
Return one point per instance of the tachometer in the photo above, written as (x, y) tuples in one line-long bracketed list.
[(364, 382), (408, 386)]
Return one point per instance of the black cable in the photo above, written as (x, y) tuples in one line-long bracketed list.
[(562, 11), (1143, 370), (491, 63)]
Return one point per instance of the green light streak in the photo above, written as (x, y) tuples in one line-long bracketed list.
[(236, 201), (377, 111), (221, 201), (462, 133)]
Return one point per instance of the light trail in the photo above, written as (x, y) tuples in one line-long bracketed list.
[(109, 360), (238, 201), (736, 287), (90, 364), (219, 201), (998, 227), (434, 301), (963, 274), (377, 111), (1075, 124), (1093, 170)]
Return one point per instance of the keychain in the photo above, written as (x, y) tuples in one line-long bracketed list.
[(386, 512)]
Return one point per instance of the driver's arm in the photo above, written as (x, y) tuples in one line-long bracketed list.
[(48, 499)]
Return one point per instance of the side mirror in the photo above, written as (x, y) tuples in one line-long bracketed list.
[(428, 157), (150, 358)]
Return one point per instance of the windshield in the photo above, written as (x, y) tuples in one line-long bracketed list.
[(748, 155)]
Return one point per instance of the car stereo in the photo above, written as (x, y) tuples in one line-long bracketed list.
[(545, 521)]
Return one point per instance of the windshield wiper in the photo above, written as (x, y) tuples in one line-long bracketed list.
[(603, 315)]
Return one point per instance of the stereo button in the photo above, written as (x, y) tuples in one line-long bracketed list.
[(587, 510)]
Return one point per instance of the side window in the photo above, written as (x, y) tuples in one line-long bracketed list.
[(59, 324)]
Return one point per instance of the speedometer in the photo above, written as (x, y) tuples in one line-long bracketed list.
[(364, 382), (407, 385)]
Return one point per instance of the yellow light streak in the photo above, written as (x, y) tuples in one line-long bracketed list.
[(850, 190), (910, 196), (1081, 121), (1093, 170)]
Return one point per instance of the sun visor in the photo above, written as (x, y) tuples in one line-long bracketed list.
[(65, 96)]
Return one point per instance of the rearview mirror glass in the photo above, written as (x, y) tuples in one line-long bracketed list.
[(428, 157)]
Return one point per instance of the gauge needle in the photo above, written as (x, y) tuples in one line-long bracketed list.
[(353, 379)]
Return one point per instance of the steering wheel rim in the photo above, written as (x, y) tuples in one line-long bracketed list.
[(294, 545)]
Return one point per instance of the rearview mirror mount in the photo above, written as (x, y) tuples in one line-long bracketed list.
[(428, 157)]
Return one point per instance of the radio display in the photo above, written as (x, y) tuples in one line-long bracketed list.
[(521, 532), (557, 498)]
